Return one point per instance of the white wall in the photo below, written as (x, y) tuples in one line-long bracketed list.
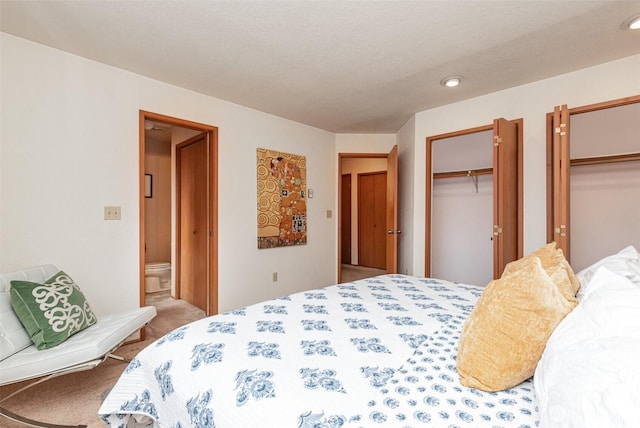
[(364, 143), (406, 206), (69, 145), (531, 102)]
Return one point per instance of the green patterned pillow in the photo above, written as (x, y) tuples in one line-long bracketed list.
[(53, 311)]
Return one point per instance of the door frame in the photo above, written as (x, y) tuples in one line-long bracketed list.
[(429, 185), (558, 197), (345, 220), (212, 259), (342, 156)]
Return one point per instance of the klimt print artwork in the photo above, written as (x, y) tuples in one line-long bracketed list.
[(282, 199)]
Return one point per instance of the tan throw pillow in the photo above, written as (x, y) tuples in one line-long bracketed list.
[(552, 259), (506, 333)]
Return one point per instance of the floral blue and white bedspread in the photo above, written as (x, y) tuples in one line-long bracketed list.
[(375, 352)]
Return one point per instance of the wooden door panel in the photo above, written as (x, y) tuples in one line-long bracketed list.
[(392, 231), (505, 194), (372, 220), (194, 230), (561, 167), (345, 220), (380, 223), (366, 220)]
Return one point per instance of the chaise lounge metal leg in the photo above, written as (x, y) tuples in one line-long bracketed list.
[(119, 358), (30, 422)]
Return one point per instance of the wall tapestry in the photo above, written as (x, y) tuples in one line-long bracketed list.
[(282, 199)]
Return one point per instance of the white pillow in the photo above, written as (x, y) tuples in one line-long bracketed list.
[(626, 263), (589, 373)]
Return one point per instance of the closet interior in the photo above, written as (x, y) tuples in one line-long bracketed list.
[(473, 213), (594, 197)]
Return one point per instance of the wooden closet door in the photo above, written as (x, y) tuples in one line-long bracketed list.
[(561, 165), (505, 194)]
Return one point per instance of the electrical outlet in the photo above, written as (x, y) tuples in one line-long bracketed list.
[(112, 213), (274, 277)]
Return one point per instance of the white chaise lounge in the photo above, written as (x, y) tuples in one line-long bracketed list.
[(20, 360)]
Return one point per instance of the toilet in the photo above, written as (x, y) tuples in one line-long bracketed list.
[(157, 277)]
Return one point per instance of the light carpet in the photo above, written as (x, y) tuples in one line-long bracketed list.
[(75, 398)]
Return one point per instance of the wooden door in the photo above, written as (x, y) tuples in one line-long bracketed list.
[(505, 194), (193, 216), (372, 211), (561, 165), (345, 219), (392, 212)]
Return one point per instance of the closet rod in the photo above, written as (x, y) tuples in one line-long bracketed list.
[(628, 157), (465, 173)]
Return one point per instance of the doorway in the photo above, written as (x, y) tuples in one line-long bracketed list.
[(352, 164), (199, 286), (474, 202), (593, 179)]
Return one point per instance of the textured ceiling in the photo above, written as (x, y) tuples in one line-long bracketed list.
[(342, 66)]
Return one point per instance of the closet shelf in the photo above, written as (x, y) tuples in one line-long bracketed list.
[(464, 173), (627, 157)]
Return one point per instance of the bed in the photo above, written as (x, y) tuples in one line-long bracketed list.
[(375, 352), (372, 351)]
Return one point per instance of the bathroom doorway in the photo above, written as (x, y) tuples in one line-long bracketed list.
[(166, 191)]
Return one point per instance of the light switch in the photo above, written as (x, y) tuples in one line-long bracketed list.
[(310, 193), (329, 214), (112, 213)]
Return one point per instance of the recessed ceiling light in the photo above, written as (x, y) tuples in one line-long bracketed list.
[(632, 23), (451, 81)]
